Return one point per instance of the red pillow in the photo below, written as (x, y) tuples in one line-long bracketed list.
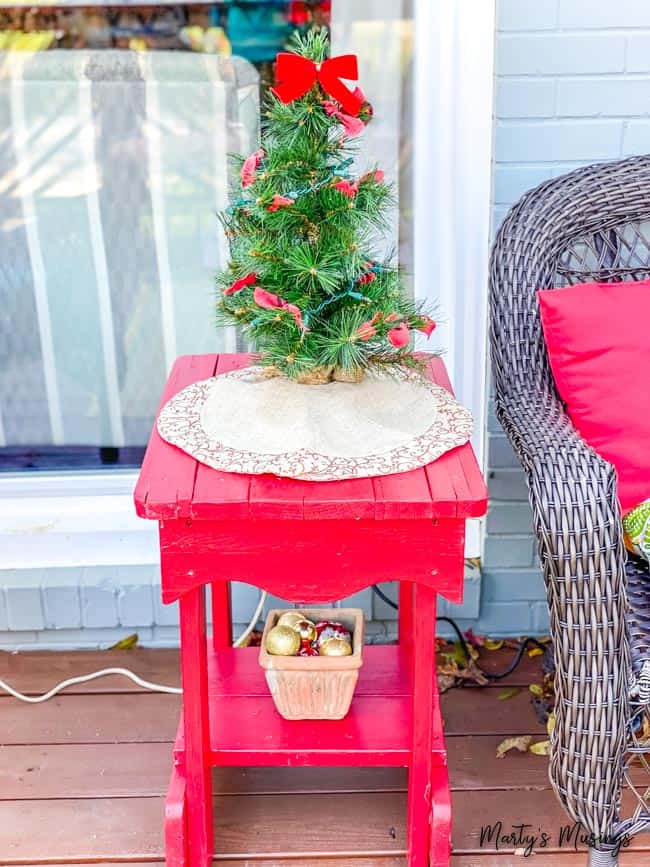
[(598, 341)]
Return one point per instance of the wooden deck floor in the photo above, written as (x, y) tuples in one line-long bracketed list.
[(83, 777)]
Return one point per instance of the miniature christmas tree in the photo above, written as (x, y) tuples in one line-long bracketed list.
[(304, 282)]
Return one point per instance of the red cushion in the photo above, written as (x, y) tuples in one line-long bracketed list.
[(598, 340)]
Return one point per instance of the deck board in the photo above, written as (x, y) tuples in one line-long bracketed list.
[(84, 775)]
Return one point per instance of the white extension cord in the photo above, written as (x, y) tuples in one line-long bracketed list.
[(124, 672)]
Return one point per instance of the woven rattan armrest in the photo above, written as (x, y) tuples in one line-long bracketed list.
[(577, 521)]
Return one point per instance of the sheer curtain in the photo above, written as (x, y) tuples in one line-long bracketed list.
[(113, 166)]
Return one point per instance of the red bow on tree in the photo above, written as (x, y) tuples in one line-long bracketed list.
[(296, 75)]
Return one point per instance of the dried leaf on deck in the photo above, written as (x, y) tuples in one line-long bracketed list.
[(644, 734), (541, 748), (474, 673), (460, 657), (471, 671), (535, 651), (491, 644), (520, 742), (445, 682), (472, 638), (125, 643), (536, 689), (509, 693), (550, 723)]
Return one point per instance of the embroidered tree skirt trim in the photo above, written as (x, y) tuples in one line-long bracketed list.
[(246, 422)]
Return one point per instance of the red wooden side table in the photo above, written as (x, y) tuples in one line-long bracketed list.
[(307, 542)]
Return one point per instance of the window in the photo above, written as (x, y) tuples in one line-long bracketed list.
[(115, 128)]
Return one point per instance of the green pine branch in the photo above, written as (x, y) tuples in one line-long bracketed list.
[(303, 225)]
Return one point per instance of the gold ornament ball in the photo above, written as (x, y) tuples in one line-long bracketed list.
[(306, 629), (335, 647), (290, 618), (282, 641)]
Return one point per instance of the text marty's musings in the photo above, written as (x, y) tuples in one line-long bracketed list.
[(526, 839)]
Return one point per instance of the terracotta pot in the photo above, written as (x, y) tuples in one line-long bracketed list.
[(315, 687), (344, 374), (315, 376)]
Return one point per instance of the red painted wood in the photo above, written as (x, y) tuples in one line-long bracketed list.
[(236, 672), (218, 494), (440, 845), (173, 485), (166, 483), (460, 464), (423, 730), (196, 728), (406, 617), (407, 527), (273, 497), (176, 822), (322, 561), (402, 495), (247, 730), (220, 596)]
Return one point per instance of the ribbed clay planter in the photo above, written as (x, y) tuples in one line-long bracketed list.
[(314, 687)]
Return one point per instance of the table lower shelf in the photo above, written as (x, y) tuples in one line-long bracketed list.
[(246, 729)]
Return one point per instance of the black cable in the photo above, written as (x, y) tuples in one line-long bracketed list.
[(463, 642), (384, 598)]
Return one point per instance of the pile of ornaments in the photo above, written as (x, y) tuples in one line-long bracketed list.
[(295, 635)]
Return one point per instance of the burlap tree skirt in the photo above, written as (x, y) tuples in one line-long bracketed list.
[(245, 422)]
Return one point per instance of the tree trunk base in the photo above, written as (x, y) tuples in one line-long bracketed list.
[(315, 376), (344, 374)]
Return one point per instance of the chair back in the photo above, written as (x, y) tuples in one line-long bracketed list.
[(592, 224)]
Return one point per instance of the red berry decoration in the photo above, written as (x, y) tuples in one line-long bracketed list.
[(307, 649)]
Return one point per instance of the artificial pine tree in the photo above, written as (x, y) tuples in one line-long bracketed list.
[(303, 281)]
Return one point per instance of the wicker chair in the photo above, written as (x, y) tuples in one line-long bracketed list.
[(591, 224)]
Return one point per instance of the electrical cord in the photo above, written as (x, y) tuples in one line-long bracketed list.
[(125, 672), (463, 642), (84, 678), (173, 690)]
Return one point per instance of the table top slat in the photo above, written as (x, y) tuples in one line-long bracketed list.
[(215, 491), (402, 495), (455, 490), (165, 486)]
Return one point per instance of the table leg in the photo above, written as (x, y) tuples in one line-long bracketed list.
[(176, 822), (406, 616), (440, 846), (196, 727), (419, 815), (221, 615)]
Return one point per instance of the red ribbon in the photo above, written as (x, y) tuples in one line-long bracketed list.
[(296, 75)]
